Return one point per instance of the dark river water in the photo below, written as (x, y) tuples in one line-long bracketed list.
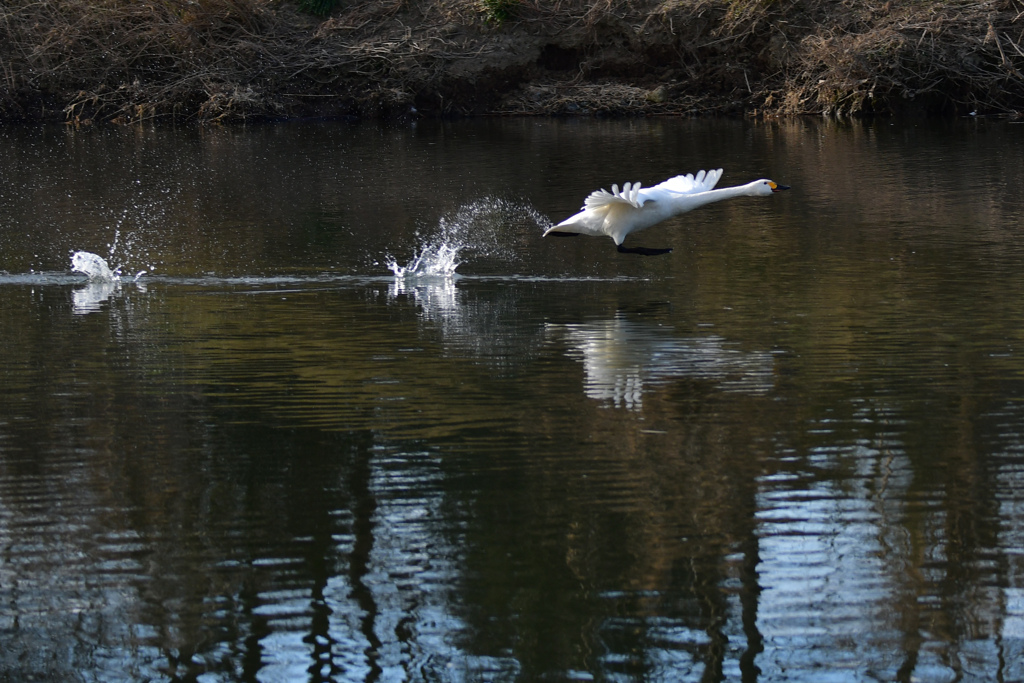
[(790, 450)]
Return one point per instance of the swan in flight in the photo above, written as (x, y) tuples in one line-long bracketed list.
[(617, 214)]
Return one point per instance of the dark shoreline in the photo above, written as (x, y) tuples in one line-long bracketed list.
[(128, 61)]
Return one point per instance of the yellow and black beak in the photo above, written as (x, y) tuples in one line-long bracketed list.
[(778, 188)]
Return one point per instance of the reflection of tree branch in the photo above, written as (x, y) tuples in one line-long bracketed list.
[(321, 570), (749, 598), (363, 508), (252, 652)]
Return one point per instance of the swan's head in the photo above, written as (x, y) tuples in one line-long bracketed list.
[(765, 187)]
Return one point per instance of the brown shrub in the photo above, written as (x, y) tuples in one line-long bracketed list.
[(209, 60)]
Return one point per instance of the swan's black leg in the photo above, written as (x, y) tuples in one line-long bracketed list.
[(562, 234), (643, 251)]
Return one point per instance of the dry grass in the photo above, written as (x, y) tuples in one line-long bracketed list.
[(937, 56), (228, 60), (123, 60)]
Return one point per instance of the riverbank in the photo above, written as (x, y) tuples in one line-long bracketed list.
[(234, 60)]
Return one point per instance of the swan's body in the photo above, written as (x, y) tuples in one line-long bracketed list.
[(617, 214)]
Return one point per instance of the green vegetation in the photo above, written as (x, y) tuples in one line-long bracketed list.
[(320, 8), (233, 60), (499, 11)]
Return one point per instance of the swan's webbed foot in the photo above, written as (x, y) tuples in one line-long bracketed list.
[(561, 234), (643, 251)]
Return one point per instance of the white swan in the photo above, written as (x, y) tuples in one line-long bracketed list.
[(617, 214)]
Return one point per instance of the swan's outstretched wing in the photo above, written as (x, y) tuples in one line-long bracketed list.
[(687, 184), (601, 199), (633, 194)]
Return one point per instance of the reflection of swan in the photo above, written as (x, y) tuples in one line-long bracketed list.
[(617, 214), (621, 358)]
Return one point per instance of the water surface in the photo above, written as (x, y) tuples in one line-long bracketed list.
[(790, 450)]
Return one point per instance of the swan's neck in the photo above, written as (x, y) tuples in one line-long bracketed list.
[(729, 192), (689, 202)]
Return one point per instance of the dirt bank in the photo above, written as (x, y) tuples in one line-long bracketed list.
[(233, 60)]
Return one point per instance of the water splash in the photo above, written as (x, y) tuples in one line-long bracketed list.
[(139, 225), (103, 283), (94, 267), (483, 228), (431, 261)]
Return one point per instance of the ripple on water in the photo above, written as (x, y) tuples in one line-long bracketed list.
[(65, 576), (841, 568)]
